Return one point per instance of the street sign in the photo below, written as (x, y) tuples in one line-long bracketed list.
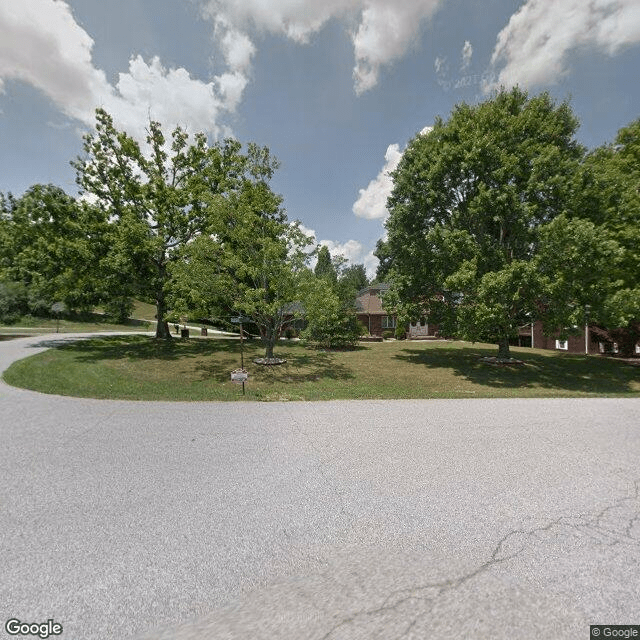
[(240, 320), (240, 376)]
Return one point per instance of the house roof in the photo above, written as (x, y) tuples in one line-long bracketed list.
[(368, 300)]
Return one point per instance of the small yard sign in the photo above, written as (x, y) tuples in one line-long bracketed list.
[(239, 376)]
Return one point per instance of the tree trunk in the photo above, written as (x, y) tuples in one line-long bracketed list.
[(162, 326), (269, 341), (503, 347)]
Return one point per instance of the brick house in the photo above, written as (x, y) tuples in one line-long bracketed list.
[(370, 312), (595, 341), (376, 320)]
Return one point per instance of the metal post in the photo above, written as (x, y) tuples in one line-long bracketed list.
[(242, 353), (587, 308), (586, 339), (532, 335)]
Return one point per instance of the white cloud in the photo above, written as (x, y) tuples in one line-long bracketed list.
[(237, 49), (353, 250), (384, 35), (384, 30), (467, 53), (169, 96), (43, 45), (533, 48), (372, 202)]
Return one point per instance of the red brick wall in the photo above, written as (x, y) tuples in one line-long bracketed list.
[(575, 344), (373, 323)]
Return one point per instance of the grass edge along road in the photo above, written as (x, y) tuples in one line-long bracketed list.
[(140, 368)]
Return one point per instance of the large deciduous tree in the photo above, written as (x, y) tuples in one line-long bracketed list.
[(468, 201), (608, 196), (161, 197), (250, 263), (53, 245)]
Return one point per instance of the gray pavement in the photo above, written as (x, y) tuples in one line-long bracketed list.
[(329, 520)]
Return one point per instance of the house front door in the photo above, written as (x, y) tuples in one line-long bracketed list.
[(417, 329)]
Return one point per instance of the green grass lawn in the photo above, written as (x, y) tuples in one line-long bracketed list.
[(28, 325), (141, 368)]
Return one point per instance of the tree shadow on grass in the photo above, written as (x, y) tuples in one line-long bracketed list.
[(299, 367), (219, 356), (565, 372), (136, 347)]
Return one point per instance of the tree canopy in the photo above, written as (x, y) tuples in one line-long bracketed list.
[(162, 197), (607, 193), (250, 263), (53, 247), (468, 202)]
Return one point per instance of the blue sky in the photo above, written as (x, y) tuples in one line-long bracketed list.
[(335, 88)]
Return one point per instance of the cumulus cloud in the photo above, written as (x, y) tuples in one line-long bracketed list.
[(467, 53), (237, 48), (355, 252), (43, 45), (352, 250), (384, 35), (533, 47), (372, 201), (384, 29)]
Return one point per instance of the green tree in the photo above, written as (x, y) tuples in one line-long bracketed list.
[(161, 198), (468, 202), (324, 267), (607, 195), (352, 279), (384, 256), (250, 263), (331, 325), (53, 245)]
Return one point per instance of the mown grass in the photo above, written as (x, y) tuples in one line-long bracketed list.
[(89, 322), (141, 368)]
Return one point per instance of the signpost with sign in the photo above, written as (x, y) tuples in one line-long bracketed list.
[(240, 375)]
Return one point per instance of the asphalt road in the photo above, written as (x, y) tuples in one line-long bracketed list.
[(341, 520)]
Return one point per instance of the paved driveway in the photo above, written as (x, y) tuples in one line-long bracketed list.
[(327, 520)]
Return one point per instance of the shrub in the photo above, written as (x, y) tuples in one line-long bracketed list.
[(119, 309), (387, 334), (337, 332), (13, 301), (401, 333)]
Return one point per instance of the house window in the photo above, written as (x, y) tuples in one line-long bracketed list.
[(388, 322), (562, 344)]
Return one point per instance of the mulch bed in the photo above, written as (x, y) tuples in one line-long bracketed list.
[(269, 361)]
